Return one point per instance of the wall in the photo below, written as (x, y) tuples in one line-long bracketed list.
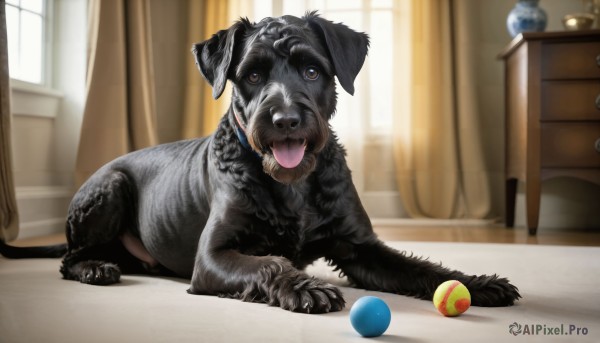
[(46, 125), (47, 120), (565, 202)]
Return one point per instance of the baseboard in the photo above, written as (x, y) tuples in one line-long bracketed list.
[(43, 192), (398, 222), (383, 204), (42, 210), (41, 227)]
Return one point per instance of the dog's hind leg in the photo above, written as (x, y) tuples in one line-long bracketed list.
[(100, 211)]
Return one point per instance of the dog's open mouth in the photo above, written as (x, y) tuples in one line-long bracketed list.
[(289, 152)]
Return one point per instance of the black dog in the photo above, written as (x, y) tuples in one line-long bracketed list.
[(243, 211)]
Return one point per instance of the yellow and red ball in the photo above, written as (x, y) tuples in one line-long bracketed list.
[(452, 298)]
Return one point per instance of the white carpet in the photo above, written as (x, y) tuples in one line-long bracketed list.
[(560, 288)]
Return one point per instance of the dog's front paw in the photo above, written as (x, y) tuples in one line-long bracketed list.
[(99, 273), (492, 291), (301, 293)]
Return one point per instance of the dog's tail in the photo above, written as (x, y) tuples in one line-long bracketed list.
[(48, 251)]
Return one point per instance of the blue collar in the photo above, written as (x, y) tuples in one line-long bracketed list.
[(240, 132), (242, 137)]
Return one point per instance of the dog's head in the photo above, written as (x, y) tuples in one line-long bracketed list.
[(283, 70)]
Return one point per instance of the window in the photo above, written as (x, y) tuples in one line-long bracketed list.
[(26, 28), (375, 81)]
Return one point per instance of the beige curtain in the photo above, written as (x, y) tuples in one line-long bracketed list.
[(9, 217), (120, 111), (202, 113), (440, 166)]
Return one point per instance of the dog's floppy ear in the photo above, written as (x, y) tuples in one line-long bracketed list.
[(213, 56), (347, 48)]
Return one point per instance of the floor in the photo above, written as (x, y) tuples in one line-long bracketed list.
[(559, 286), (469, 234)]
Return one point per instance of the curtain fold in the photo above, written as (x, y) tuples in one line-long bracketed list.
[(202, 112), (9, 216), (120, 111), (475, 175), (440, 166)]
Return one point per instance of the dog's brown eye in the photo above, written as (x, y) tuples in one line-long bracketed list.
[(311, 73), (253, 78)]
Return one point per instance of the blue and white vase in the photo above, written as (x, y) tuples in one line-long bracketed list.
[(526, 16)]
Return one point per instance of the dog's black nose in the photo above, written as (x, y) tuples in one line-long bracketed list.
[(286, 121)]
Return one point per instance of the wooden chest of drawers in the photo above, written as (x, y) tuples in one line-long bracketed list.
[(552, 90)]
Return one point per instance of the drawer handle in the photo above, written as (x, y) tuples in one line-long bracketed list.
[(597, 145), (598, 60), (598, 102)]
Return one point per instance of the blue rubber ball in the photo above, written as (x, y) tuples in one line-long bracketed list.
[(370, 316)]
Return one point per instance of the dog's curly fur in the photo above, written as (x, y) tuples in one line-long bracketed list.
[(224, 212)]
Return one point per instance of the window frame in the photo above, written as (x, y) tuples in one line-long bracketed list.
[(46, 65), (38, 99)]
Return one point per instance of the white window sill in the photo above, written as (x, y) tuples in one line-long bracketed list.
[(30, 99)]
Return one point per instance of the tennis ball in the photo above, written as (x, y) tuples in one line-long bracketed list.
[(370, 316), (452, 298)]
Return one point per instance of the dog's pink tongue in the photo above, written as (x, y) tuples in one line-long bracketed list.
[(288, 153)]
